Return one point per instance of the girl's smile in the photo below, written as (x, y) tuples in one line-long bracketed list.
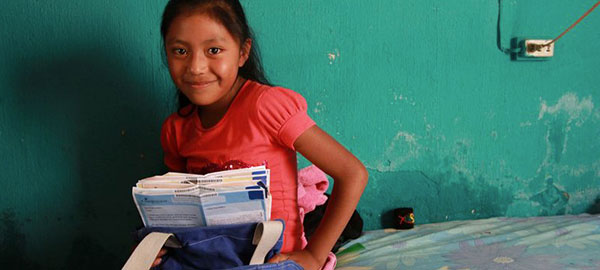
[(199, 85)]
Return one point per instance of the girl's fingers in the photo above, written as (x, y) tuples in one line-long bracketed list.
[(156, 262), (158, 259)]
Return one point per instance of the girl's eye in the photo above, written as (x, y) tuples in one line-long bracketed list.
[(180, 51), (214, 51)]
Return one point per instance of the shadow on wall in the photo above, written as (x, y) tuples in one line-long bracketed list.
[(107, 123), (595, 208), (12, 245)]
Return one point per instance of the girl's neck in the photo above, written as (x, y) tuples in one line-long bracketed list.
[(210, 115)]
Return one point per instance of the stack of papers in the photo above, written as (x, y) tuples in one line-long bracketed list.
[(191, 200)]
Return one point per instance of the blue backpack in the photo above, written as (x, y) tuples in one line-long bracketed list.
[(235, 246)]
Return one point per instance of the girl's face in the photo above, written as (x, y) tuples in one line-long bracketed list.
[(203, 59)]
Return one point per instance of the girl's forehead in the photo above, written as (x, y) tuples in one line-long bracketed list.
[(197, 27)]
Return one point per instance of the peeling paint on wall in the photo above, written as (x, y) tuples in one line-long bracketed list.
[(319, 107), (333, 56), (559, 120), (569, 104), (452, 169), (552, 198), (403, 147)]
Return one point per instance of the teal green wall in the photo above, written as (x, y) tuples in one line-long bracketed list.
[(418, 90)]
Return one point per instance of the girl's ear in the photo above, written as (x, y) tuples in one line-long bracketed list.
[(245, 52)]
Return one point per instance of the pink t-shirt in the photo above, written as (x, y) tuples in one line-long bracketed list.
[(259, 127)]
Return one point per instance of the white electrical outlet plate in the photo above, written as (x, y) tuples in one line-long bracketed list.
[(537, 48)]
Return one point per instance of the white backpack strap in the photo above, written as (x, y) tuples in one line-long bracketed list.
[(265, 237), (145, 253)]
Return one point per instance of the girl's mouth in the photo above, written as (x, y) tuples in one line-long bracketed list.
[(199, 84)]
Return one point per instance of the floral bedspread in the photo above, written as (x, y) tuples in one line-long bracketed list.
[(558, 242)]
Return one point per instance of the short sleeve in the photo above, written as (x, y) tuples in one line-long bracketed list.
[(283, 114), (168, 139)]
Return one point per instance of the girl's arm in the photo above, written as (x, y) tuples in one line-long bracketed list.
[(350, 178)]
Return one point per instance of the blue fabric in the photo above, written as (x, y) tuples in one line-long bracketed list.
[(215, 247), (285, 265)]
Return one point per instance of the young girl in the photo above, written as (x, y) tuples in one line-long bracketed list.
[(230, 117)]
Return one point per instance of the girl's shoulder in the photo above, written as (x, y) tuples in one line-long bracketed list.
[(282, 113), (267, 96), (275, 104)]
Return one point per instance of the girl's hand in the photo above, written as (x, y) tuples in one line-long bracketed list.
[(303, 257), (158, 259)]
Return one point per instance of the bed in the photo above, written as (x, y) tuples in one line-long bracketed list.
[(556, 242)]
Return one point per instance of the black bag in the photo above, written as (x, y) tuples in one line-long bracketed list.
[(353, 229)]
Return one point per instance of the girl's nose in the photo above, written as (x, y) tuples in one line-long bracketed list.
[(198, 64)]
